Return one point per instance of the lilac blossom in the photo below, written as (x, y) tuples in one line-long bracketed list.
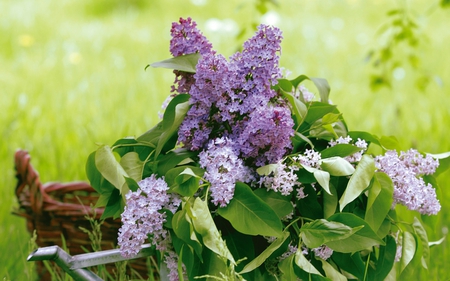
[(142, 215), (223, 170), (409, 187), (234, 99), (187, 39), (283, 179), (266, 136), (310, 158), (323, 252), (171, 260), (355, 157)]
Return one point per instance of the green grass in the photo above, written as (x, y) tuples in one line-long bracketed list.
[(72, 76)]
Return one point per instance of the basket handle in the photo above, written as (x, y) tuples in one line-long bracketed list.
[(28, 177)]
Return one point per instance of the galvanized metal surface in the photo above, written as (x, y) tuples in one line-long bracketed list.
[(76, 265)]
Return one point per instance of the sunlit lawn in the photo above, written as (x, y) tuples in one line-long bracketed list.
[(72, 76)]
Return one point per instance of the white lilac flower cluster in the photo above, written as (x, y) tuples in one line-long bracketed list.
[(406, 171), (223, 169), (355, 157)]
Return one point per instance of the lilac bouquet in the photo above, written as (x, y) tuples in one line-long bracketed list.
[(251, 176)]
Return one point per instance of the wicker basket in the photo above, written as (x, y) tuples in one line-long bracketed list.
[(54, 209)]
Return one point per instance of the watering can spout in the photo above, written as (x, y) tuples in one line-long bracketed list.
[(47, 253)]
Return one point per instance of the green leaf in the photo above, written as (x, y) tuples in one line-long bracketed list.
[(422, 235), (186, 63), (340, 150), (277, 202), (408, 269), (322, 177), (255, 263), (267, 169), (132, 184), (359, 181), (132, 165), (173, 116), (360, 240), (379, 201), (351, 263), (110, 169), (286, 266), (96, 179), (302, 262), (331, 118), (337, 166), (205, 227), (385, 261), (389, 143), (409, 249), (445, 3), (299, 109), (250, 215), (321, 231), (330, 202), (332, 272), (444, 162), (184, 179), (184, 229), (323, 87)]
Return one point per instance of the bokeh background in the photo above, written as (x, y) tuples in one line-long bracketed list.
[(72, 77)]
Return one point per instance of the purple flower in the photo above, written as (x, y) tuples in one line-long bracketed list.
[(266, 135), (187, 39), (323, 252), (409, 187), (142, 215), (223, 170), (310, 158)]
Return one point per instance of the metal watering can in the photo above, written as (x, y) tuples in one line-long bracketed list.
[(76, 265)]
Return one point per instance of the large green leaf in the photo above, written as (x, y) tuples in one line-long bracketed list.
[(255, 263), (286, 266), (250, 215), (359, 181), (184, 229), (422, 235), (184, 179), (379, 201), (205, 227), (337, 166), (186, 63), (110, 169), (173, 116), (385, 260), (360, 240), (321, 231), (277, 202), (132, 165)]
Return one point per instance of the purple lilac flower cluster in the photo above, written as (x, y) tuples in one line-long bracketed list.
[(410, 189), (143, 216), (223, 170), (234, 98)]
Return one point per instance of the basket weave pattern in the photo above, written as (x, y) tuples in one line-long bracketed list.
[(54, 209)]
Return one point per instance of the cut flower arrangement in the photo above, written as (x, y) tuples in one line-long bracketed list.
[(251, 176)]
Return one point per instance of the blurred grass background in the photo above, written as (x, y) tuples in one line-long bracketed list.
[(72, 76)]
